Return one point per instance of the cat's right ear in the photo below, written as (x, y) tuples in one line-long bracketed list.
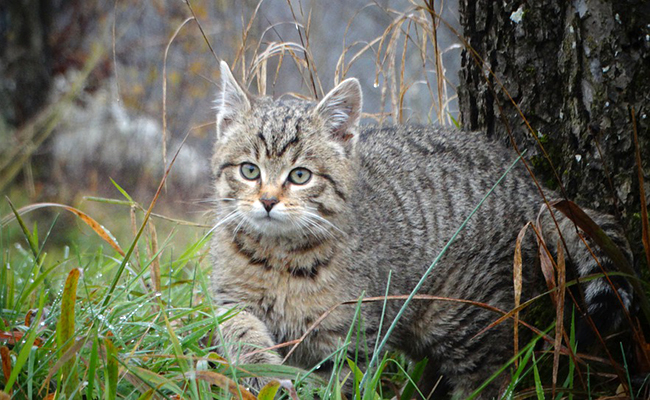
[(232, 100)]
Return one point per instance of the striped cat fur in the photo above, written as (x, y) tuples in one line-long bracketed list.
[(313, 209)]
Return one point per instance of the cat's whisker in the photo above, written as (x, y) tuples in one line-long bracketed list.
[(244, 220), (315, 228), (217, 200), (322, 230), (321, 219), (301, 227), (229, 217), (206, 201), (304, 224)]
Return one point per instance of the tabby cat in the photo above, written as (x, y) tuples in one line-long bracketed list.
[(314, 209)]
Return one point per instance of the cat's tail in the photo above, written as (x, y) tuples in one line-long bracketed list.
[(603, 297)]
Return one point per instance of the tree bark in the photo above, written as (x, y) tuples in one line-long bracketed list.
[(576, 70)]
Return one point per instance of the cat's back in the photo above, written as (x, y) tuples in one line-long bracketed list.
[(417, 184), (404, 149), (455, 169)]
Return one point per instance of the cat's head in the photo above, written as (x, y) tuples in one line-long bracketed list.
[(284, 168)]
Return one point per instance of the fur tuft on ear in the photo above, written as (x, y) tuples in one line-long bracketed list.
[(341, 109), (232, 99)]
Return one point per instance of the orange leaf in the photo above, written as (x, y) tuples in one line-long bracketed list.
[(6, 362), (17, 336), (30, 316)]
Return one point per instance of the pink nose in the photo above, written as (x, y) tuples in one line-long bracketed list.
[(269, 202)]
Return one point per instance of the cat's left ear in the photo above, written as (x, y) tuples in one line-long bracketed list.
[(341, 109)]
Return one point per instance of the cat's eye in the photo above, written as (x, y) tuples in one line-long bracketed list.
[(249, 171), (299, 176)]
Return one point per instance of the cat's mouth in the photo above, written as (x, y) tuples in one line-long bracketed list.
[(272, 224), (268, 216)]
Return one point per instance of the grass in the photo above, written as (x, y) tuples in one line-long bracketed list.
[(137, 343), (68, 332)]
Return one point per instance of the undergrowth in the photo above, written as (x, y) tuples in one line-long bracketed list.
[(90, 319), (96, 321)]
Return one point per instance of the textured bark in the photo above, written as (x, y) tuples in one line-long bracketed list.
[(576, 69)]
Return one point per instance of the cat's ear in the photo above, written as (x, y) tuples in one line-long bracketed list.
[(232, 100), (341, 109)]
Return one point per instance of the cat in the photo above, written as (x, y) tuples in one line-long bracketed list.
[(313, 209)]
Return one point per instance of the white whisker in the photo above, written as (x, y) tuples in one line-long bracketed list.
[(299, 227), (232, 215), (307, 224), (244, 219), (215, 200), (321, 219), (321, 229)]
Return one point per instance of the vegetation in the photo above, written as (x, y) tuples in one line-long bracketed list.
[(86, 318)]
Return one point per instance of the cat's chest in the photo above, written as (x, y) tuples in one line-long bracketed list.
[(287, 290)]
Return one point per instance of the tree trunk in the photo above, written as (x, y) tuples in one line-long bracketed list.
[(576, 70)]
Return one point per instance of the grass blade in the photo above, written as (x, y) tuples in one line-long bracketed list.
[(357, 376), (559, 313), (178, 352), (112, 370), (92, 366), (645, 230), (539, 390), (124, 193), (103, 233), (65, 359), (154, 380), (65, 331), (147, 215), (147, 395), (33, 245), (30, 372), (417, 373)]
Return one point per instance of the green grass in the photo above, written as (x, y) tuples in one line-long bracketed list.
[(94, 342), (86, 322)]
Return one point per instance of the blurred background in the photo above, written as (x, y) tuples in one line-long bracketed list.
[(82, 99)]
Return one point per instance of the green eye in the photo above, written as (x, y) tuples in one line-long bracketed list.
[(249, 171), (299, 176)]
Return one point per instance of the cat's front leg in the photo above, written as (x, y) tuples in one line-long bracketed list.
[(242, 339)]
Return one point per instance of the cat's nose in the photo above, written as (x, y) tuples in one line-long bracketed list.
[(269, 202)]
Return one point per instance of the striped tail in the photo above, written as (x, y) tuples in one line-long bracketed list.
[(605, 300)]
